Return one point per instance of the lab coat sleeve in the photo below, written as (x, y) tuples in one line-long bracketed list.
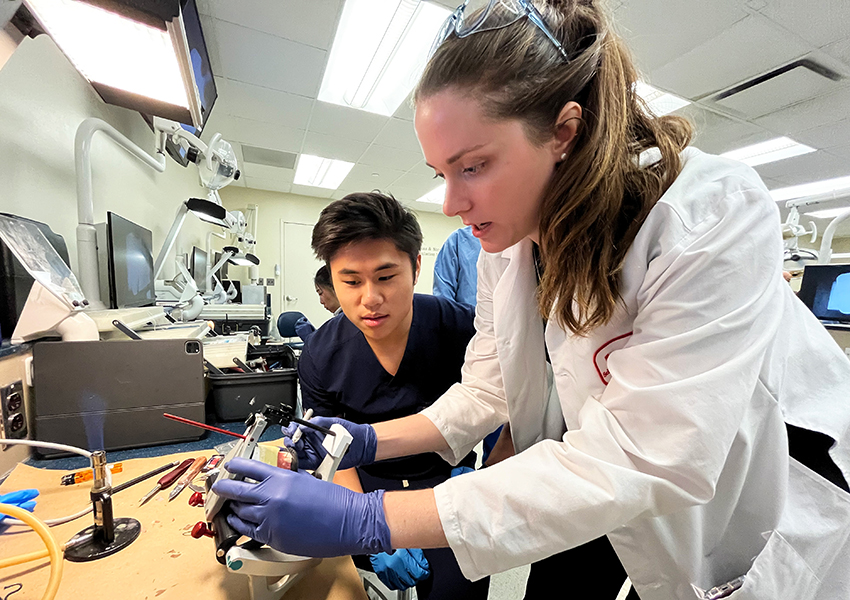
[(475, 407), (655, 441)]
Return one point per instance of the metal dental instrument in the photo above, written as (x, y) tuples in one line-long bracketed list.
[(168, 479), (147, 475), (194, 469)]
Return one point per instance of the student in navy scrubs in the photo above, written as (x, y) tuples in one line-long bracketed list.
[(391, 355)]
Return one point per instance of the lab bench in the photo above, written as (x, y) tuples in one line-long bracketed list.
[(165, 561)]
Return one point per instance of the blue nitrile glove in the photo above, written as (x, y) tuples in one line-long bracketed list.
[(460, 471), (402, 569), (296, 513), (21, 498), (311, 453)]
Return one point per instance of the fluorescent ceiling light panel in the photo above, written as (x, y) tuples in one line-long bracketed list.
[(321, 172), (829, 213), (816, 188), (660, 103), (113, 50), (769, 151), (379, 52), (435, 196)]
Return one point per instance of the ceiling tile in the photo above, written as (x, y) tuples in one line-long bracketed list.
[(646, 26), (415, 180), (820, 22), (209, 29), (329, 146), (312, 23), (395, 158), (398, 133), (363, 178), (839, 50), (405, 110), (715, 133), (256, 133), (308, 190), (268, 173), (827, 136), (342, 121), (809, 114), (792, 87), (814, 166), (268, 184), (240, 99), (421, 168), (267, 61), (717, 65), (842, 151)]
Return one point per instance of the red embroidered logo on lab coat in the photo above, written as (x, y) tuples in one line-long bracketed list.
[(600, 357)]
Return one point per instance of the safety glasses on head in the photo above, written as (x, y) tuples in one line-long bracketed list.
[(474, 16)]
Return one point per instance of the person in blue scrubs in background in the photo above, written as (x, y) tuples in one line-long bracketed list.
[(456, 270), (390, 355)]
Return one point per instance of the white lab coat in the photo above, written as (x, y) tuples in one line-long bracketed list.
[(676, 445)]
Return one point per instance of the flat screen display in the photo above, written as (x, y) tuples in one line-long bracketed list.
[(199, 269), (825, 289), (130, 250)]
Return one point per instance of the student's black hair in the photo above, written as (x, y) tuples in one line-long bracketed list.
[(364, 216), (323, 278)]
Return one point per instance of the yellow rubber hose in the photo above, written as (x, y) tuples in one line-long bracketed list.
[(54, 552)]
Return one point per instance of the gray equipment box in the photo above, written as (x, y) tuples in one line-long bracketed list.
[(112, 394)]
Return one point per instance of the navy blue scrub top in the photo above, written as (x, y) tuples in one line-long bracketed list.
[(340, 375)]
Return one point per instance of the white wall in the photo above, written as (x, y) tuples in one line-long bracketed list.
[(43, 99), (274, 207)]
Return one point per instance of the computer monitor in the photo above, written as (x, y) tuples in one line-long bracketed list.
[(825, 289), (130, 268), (198, 268), (204, 80)]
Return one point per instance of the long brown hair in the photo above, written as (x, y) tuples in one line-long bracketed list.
[(599, 196)]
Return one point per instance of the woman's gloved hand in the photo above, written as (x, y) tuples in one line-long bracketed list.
[(311, 453), (402, 569), (296, 513), (22, 498)]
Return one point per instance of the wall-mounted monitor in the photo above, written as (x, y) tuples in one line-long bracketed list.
[(825, 289), (129, 256)]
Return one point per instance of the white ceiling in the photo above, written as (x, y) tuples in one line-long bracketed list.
[(269, 57)]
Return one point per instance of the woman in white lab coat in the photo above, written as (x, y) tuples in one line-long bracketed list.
[(650, 405)]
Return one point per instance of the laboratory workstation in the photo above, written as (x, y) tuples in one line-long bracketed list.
[(424, 299)]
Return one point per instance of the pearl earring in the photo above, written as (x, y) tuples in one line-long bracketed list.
[(564, 156)]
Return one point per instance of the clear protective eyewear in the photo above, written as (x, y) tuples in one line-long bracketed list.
[(474, 16)]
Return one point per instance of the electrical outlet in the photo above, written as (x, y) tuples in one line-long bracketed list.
[(14, 422), (269, 281)]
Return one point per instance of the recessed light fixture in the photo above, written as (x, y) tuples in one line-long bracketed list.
[(321, 172), (770, 151), (379, 51), (839, 186), (435, 196), (660, 103)]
